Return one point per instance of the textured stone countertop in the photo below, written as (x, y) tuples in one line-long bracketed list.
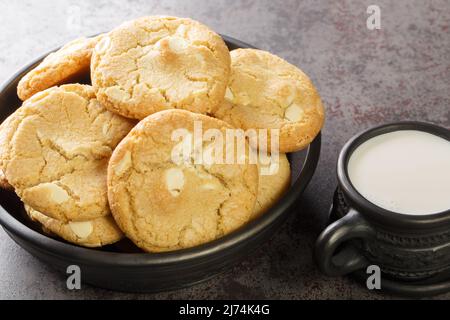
[(365, 78)]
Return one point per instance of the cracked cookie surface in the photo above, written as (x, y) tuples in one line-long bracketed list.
[(92, 233), (165, 205), (273, 184), (6, 133), (58, 146), (157, 63), (70, 61), (266, 92)]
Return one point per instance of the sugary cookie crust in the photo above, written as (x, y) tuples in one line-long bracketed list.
[(162, 206), (93, 233), (273, 186), (70, 61), (6, 133), (266, 92), (57, 155), (157, 63)]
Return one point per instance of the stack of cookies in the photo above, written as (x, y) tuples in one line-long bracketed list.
[(94, 163)]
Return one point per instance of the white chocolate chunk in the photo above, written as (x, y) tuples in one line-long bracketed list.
[(293, 113), (269, 170), (174, 44), (2, 175), (289, 95), (56, 194), (81, 229), (174, 181), (229, 94), (124, 164), (103, 45), (181, 30), (209, 186), (177, 44)]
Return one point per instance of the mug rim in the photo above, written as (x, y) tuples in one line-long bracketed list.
[(371, 210)]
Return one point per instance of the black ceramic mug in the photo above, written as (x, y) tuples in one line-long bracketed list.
[(405, 247)]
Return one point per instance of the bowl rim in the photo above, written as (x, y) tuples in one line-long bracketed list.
[(91, 256)]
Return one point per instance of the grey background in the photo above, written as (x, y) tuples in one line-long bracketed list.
[(365, 78)]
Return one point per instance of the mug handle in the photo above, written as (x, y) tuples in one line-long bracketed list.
[(350, 226)]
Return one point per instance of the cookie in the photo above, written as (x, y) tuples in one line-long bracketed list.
[(158, 63), (93, 233), (266, 92), (57, 156), (164, 202), (69, 62), (274, 181), (6, 134)]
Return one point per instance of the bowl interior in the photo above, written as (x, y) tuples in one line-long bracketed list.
[(12, 205)]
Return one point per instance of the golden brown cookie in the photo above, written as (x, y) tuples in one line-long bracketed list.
[(69, 62), (57, 156), (157, 63), (92, 233), (165, 204), (266, 92), (6, 133), (274, 181)]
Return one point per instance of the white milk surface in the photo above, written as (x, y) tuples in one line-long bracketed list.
[(406, 172)]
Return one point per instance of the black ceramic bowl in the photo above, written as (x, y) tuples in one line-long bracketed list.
[(124, 267)]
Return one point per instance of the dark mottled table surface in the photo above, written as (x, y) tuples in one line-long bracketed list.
[(366, 77)]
